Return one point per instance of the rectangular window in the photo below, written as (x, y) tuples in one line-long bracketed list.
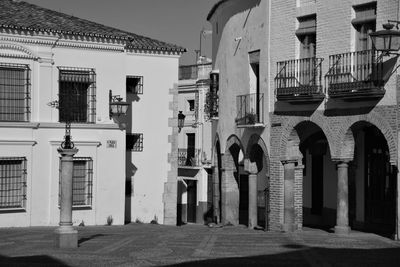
[(134, 84), (307, 35), (12, 183), (134, 142), (14, 92), (77, 95), (364, 23), (82, 182), (191, 103)]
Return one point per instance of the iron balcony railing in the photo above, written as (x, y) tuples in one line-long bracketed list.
[(211, 105), (250, 109), (188, 72), (354, 72), (189, 157), (298, 77)]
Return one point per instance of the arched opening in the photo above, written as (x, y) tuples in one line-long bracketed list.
[(319, 184), (234, 185), (372, 182), (258, 156)]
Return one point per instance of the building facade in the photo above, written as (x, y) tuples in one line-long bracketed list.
[(308, 116), (194, 145), (56, 68)]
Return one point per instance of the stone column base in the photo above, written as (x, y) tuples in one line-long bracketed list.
[(342, 230), (66, 237), (288, 227)]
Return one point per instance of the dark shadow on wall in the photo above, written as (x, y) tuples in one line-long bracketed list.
[(305, 256), (29, 261)]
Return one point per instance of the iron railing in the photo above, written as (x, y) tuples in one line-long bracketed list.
[(189, 157), (211, 105), (354, 71), (77, 95), (250, 109), (15, 95), (12, 183), (188, 72), (298, 77)]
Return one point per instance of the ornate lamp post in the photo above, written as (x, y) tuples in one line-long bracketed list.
[(66, 235)]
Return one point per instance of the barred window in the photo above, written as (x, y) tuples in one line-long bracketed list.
[(77, 95), (14, 92), (82, 182), (12, 183), (134, 142), (134, 84)]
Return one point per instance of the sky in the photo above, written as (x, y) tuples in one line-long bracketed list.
[(174, 21)]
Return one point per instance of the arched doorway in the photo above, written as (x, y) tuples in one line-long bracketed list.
[(372, 182), (319, 184), (234, 185), (257, 153)]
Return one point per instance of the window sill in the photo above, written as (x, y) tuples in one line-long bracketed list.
[(12, 210)]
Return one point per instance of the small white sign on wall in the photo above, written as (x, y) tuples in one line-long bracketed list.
[(111, 143)]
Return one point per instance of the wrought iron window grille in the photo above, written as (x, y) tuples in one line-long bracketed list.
[(77, 95), (15, 92), (134, 142), (134, 84), (13, 183)]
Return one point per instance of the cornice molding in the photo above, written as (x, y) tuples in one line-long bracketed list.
[(78, 143), (16, 50)]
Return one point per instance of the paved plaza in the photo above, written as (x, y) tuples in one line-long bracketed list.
[(195, 245)]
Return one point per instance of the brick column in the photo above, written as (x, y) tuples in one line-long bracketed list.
[(289, 210), (342, 210)]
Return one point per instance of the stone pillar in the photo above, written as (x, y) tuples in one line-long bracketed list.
[(66, 235), (216, 196), (289, 211), (230, 192), (342, 210), (251, 167), (252, 200)]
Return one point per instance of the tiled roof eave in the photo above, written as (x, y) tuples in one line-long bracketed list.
[(16, 27)]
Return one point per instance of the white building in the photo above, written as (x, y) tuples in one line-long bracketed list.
[(46, 58), (194, 145)]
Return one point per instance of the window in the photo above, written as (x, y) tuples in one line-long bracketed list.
[(307, 35), (12, 183), (134, 142), (364, 23), (191, 103), (14, 92), (82, 182), (134, 84), (77, 95)]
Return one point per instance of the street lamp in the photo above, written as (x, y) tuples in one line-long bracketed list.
[(181, 121), (117, 106), (387, 40)]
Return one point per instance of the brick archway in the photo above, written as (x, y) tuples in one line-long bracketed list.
[(345, 144), (290, 139)]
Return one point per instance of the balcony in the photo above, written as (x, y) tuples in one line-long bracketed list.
[(356, 76), (211, 105), (299, 80), (189, 157), (250, 110)]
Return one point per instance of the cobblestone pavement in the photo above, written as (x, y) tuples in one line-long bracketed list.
[(195, 245)]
